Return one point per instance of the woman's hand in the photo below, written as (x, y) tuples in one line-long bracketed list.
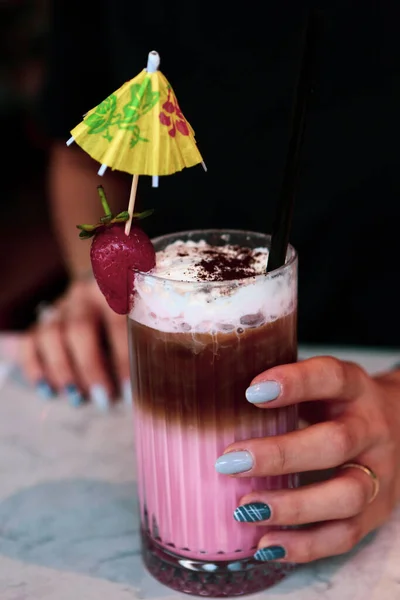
[(79, 348), (354, 418)]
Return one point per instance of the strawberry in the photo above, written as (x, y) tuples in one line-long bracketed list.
[(115, 256)]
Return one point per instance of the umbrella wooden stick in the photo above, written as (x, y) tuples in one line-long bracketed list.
[(131, 205), (153, 62)]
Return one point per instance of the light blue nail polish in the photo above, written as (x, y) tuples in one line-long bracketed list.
[(236, 566), (252, 512), (74, 396), (100, 397), (270, 553), (266, 391), (210, 567), (234, 462), (45, 390), (126, 391)]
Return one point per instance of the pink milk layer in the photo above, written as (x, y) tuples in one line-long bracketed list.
[(189, 505)]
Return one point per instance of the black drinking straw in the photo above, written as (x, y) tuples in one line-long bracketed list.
[(283, 218)]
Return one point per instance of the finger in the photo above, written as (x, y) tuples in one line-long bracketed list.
[(321, 378), (10, 346), (53, 352), (346, 495), (315, 542), (317, 447), (84, 343), (32, 367), (116, 328)]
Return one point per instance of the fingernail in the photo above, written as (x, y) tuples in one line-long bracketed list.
[(263, 392), (250, 513), (74, 396), (270, 553), (127, 392), (234, 462), (45, 390), (100, 398)]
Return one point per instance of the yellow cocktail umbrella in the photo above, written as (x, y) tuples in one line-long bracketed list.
[(139, 129)]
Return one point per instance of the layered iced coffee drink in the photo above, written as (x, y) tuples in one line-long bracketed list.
[(203, 324)]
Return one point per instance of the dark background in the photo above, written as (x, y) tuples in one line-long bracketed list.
[(31, 264), (350, 191)]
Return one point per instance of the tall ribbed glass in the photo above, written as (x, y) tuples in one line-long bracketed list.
[(194, 349)]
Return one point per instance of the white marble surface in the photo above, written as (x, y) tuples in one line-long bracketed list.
[(68, 525)]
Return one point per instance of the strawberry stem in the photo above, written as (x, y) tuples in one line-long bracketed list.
[(87, 231), (104, 202)]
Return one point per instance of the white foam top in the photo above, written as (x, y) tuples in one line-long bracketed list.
[(180, 260), (177, 296)]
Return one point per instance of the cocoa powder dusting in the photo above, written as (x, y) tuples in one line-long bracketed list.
[(217, 265)]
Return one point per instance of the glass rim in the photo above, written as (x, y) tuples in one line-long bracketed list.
[(254, 278)]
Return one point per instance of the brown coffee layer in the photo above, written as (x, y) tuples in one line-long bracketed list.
[(199, 379)]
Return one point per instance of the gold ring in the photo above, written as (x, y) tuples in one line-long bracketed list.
[(367, 471)]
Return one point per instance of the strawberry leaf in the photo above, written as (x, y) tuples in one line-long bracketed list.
[(85, 235), (87, 227), (123, 215), (143, 215)]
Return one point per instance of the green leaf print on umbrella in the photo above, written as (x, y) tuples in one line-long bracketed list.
[(143, 99), (103, 117), (136, 137), (143, 109)]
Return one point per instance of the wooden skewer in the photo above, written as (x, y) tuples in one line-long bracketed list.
[(131, 205)]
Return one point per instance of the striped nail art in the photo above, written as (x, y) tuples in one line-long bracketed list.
[(270, 553), (253, 512)]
